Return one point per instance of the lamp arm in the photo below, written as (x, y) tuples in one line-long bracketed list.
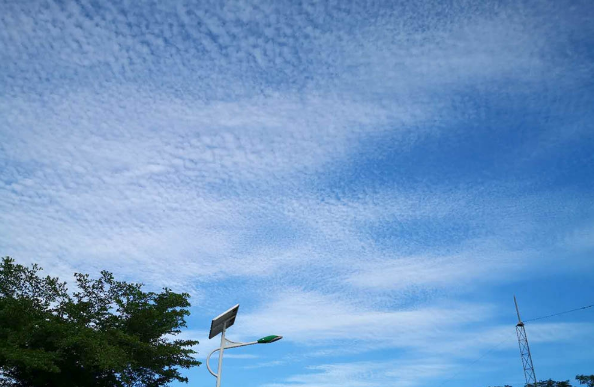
[(208, 365), (233, 345), (237, 345)]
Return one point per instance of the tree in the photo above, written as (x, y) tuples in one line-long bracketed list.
[(546, 383), (553, 383), (588, 380), (107, 333)]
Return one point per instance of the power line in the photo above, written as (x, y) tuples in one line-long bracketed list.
[(505, 339), (475, 361), (560, 313)]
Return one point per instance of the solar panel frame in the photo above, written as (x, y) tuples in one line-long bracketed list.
[(216, 326)]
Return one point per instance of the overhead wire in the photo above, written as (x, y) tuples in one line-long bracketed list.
[(474, 361), (502, 341), (560, 313)]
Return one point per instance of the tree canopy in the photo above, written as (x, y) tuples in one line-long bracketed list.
[(106, 333), (588, 380), (553, 383), (582, 379)]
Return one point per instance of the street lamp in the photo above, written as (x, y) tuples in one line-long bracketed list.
[(219, 325)]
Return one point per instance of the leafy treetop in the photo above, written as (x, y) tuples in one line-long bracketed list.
[(107, 333), (588, 380)]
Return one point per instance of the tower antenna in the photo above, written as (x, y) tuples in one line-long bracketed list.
[(525, 350)]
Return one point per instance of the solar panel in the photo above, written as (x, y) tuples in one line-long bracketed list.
[(216, 326)]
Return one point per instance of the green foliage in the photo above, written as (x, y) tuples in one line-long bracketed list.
[(107, 333), (553, 383), (588, 380)]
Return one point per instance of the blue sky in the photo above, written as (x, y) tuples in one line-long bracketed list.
[(372, 180)]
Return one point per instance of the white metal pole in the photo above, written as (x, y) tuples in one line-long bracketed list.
[(220, 369)]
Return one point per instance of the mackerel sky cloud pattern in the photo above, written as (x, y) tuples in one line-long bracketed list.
[(371, 180)]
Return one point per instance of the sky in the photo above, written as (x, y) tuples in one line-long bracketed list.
[(373, 180)]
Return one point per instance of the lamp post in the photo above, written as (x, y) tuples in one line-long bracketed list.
[(219, 325)]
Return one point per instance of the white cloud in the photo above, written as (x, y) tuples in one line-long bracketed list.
[(367, 374), (314, 319), (485, 262)]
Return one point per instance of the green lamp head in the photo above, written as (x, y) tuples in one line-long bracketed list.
[(269, 339)]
